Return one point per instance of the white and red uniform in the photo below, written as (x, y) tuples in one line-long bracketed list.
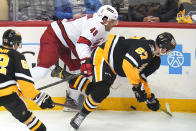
[(71, 40)]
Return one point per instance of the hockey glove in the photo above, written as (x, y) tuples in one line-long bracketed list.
[(140, 93), (86, 67), (153, 103), (43, 100)]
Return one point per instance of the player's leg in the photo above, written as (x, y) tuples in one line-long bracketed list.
[(96, 91), (48, 54), (17, 107), (74, 98)]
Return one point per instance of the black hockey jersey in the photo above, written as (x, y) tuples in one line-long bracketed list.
[(128, 57), (15, 75)]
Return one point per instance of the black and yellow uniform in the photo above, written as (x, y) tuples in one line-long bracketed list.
[(131, 58), (15, 84)]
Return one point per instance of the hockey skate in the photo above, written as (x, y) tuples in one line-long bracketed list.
[(61, 73), (77, 120), (73, 105)]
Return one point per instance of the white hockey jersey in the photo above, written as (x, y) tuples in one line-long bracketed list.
[(81, 35)]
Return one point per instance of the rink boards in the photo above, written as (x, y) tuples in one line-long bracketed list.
[(172, 83)]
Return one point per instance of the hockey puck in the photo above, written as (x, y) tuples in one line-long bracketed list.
[(132, 107)]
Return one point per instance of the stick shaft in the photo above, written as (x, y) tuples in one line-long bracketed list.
[(52, 84), (58, 82), (59, 104)]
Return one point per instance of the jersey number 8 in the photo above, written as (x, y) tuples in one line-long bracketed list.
[(143, 54)]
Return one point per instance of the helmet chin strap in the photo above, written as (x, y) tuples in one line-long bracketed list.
[(20, 45), (160, 54)]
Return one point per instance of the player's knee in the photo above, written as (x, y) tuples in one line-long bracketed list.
[(23, 116), (21, 113), (101, 91)]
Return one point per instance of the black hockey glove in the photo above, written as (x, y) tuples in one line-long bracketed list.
[(43, 100), (140, 93), (153, 103)]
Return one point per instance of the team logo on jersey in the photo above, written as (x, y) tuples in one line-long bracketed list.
[(176, 60)]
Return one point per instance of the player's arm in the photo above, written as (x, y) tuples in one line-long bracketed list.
[(24, 79), (87, 39), (83, 47), (136, 60), (140, 85), (26, 84)]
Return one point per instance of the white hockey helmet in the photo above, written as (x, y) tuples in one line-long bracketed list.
[(107, 11)]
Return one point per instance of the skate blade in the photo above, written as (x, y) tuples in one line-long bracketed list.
[(69, 110)]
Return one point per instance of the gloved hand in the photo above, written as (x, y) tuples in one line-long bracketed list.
[(140, 93), (43, 100), (86, 67), (153, 103)]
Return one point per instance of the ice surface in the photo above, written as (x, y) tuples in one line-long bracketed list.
[(107, 121)]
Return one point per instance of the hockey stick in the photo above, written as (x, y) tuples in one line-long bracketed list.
[(165, 111), (52, 84), (63, 105), (58, 82), (59, 104)]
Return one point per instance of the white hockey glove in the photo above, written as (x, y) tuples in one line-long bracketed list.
[(43, 100)]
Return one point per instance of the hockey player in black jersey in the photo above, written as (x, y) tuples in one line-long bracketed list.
[(16, 83), (131, 58)]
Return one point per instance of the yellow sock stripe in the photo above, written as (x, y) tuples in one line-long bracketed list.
[(37, 126), (29, 120), (92, 101), (86, 107), (60, 74), (84, 88), (77, 81)]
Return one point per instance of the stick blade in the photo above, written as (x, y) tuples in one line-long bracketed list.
[(168, 107)]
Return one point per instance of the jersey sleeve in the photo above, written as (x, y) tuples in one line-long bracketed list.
[(24, 79), (92, 36), (135, 61)]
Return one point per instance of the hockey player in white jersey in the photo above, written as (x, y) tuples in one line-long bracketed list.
[(73, 41)]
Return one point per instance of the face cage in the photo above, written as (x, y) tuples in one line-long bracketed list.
[(168, 52), (19, 45)]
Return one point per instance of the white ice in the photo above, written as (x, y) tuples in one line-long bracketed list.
[(107, 121)]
